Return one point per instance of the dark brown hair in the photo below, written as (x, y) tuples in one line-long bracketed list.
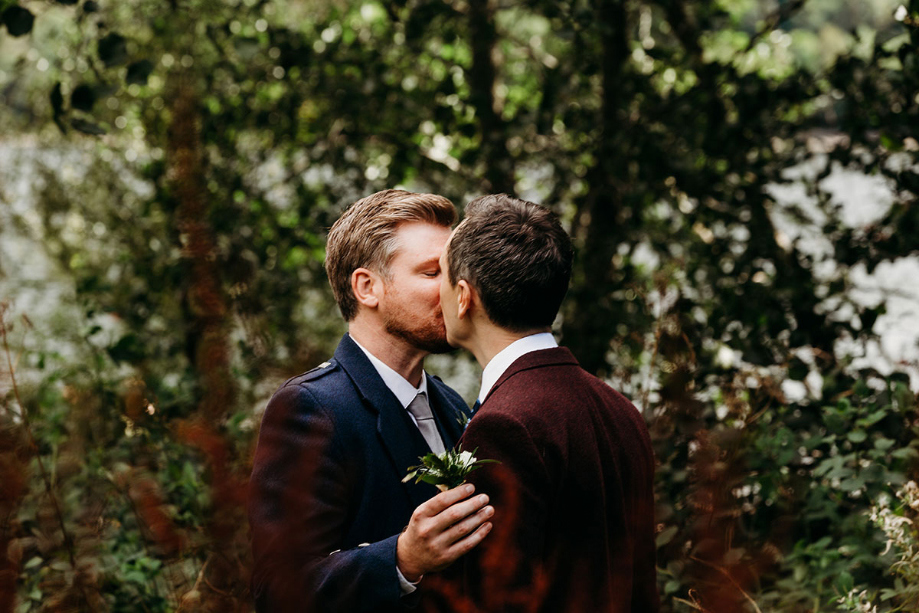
[(517, 256)]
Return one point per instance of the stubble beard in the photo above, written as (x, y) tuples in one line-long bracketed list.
[(431, 338)]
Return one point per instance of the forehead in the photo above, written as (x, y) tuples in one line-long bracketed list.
[(419, 241), (449, 240)]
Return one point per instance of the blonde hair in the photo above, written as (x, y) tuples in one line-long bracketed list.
[(364, 236)]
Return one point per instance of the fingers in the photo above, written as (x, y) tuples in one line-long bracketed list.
[(468, 525), (445, 499), (464, 545), (433, 543), (458, 512)]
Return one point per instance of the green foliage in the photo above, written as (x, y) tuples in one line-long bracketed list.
[(446, 470), (196, 153), (18, 20), (898, 525)]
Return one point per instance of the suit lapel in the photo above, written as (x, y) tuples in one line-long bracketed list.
[(448, 415), (400, 438)]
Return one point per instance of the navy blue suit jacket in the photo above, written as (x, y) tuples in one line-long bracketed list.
[(326, 498)]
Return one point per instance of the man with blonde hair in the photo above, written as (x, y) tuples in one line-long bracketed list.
[(333, 526)]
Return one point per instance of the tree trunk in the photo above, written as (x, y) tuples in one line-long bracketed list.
[(499, 175), (600, 213)]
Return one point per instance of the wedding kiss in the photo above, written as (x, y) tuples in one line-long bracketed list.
[(562, 521)]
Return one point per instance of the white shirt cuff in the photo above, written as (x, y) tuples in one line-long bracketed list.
[(405, 585)]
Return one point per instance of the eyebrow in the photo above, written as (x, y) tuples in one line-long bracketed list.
[(429, 262)]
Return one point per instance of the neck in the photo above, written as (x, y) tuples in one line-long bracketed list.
[(395, 352), (488, 340)]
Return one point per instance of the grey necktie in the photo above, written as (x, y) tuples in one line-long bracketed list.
[(421, 410)]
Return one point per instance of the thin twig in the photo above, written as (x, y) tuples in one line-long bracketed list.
[(201, 574), (695, 601), (731, 579), (646, 393), (658, 331), (202, 577), (219, 591), (68, 541), (689, 604)]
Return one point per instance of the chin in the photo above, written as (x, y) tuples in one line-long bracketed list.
[(439, 345), (451, 340), (431, 339), (444, 349)]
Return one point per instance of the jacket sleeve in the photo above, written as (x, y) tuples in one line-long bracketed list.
[(299, 502)]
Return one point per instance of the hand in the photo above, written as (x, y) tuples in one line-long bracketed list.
[(441, 530)]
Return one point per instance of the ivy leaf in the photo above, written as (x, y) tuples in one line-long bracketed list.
[(666, 536), (430, 478), (83, 98), (113, 50), (87, 127), (18, 21), (869, 316), (797, 370), (139, 72), (57, 107), (128, 348), (246, 48)]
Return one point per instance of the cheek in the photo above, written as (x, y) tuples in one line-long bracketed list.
[(423, 298), (433, 291)]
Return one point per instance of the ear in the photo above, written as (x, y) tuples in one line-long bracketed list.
[(367, 286), (466, 296)]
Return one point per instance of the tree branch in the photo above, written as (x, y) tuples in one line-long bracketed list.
[(772, 21)]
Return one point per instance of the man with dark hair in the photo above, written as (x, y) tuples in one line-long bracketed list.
[(574, 528), (334, 528)]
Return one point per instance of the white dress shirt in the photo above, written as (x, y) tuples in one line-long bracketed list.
[(507, 356), (404, 391)]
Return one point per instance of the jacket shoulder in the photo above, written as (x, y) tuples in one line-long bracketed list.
[(323, 370)]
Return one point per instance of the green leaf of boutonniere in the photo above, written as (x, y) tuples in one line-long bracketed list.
[(446, 470)]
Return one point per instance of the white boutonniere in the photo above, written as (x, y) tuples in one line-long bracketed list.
[(446, 470)]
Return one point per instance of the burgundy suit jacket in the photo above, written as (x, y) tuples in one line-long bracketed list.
[(573, 496)]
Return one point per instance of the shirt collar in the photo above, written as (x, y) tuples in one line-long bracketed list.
[(404, 391), (507, 356)]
